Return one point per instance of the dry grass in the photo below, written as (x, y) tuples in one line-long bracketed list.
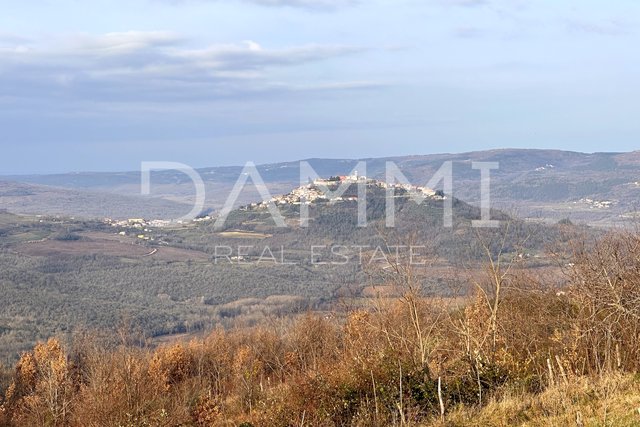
[(611, 400)]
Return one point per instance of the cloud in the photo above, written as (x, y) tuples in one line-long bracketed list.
[(466, 3), (251, 56), (469, 32), (314, 5), (605, 28), (307, 4), (151, 67), (123, 42), (9, 39), (353, 85)]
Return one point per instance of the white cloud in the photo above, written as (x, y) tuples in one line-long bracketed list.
[(10, 38), (123, 42), (605, 28), (314, 5), (251, 56), (253, 45), (469, 32), (309, 4), (150, 67), (463, 3)]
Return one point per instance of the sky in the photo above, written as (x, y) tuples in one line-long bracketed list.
[(103, 85)]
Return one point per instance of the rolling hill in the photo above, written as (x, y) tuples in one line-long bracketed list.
[(62, 275), (596, 188)]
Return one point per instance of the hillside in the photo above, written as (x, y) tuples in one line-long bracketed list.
[(326, 324), (598, 188), (519, 351), (61, 274)]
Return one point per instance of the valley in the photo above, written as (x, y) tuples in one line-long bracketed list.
[(62, 275)]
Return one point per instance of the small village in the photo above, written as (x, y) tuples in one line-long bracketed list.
[(596, 204)]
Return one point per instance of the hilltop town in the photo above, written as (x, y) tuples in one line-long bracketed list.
[(320, 189)]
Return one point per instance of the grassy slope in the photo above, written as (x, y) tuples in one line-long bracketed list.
[(613, 400)]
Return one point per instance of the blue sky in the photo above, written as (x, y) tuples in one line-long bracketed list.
[(104, 85)]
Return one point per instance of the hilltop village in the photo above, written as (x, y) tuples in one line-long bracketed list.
[(316, 191), (319, 188)]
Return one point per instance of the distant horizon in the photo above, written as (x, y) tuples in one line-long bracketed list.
[(266, 163)]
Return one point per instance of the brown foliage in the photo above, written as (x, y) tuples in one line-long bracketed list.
[(377, 365), (605, 287), (41, 390)]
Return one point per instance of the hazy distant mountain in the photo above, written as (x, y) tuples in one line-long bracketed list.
[(37, 199), (599, 188)]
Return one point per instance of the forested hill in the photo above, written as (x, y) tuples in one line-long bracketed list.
[(597, 188), (62, 275)]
